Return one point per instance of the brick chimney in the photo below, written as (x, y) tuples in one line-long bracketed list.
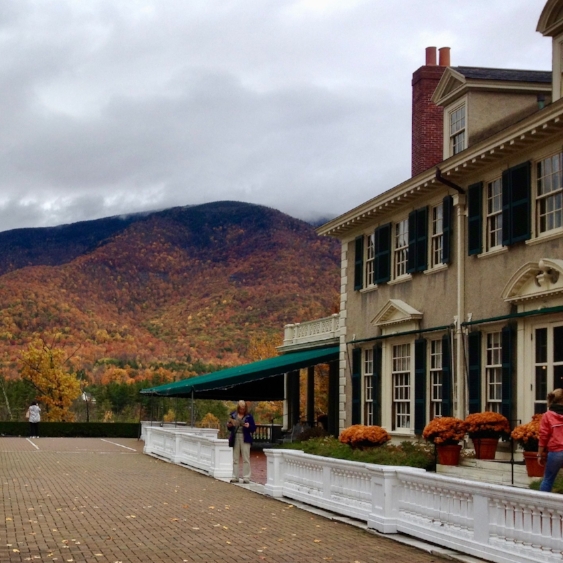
[(427, 118)]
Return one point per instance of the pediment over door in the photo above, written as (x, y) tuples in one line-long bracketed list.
[(396, 312), (535, 280)]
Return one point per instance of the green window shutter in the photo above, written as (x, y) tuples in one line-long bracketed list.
[(508, 350), (446, 377), (359, 263), (447, 228), (377, 376), (474, 377), (411, 259), (418, 241), (420, 387), (516, 203), (475, 219), (422, 239), (382, 258), (357, 386)]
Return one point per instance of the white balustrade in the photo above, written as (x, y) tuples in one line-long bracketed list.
[(311, 331), (191, 448), (179, 427), (494, 522)]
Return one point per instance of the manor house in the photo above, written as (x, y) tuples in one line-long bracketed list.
[(452, 282)]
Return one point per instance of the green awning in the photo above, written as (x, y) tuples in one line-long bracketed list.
[(246, 381)]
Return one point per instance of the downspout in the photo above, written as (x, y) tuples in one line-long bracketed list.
[(460, 389), (449, 183), (461, 375)]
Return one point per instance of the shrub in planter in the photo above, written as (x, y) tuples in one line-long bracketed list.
[(528, 435), (360, 436), (487, 425), (446, 430)]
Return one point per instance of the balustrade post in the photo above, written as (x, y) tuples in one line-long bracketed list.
[(275, 469), (481, 519)]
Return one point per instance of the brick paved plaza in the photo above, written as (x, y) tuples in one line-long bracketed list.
[(89, 500)]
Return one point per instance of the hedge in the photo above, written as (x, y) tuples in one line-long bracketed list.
[(74, 429)]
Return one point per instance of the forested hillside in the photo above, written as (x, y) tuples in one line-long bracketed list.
[(163, 292)]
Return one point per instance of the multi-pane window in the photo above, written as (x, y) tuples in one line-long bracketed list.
[(457, 130), (401, 247), (493, 370), (401, 378), (548, 363), (370, 255), (437, 250), (368, 387), (494, 214), (550, 193), (435, 378)]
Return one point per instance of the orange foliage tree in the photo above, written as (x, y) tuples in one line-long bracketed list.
[(44, 366)]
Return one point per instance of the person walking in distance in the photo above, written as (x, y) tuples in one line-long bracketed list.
[(242, 426), (550, 451), (34, 416)]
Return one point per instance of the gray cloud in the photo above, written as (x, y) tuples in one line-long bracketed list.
[(304, 105)]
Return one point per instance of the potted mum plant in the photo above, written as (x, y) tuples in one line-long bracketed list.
[(446, 432), (485, 429), (527, 436), (361, 437)]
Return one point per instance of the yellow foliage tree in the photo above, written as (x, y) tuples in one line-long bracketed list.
[(43, 365)]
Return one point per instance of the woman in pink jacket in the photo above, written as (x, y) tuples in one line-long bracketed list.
[(550, 451)]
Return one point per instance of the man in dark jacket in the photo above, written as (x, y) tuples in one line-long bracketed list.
[(242, 426)]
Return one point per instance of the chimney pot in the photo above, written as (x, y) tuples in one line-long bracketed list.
[(444, 56), (431, 56)]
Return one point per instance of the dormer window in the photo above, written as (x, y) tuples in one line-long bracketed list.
[(457, 130)]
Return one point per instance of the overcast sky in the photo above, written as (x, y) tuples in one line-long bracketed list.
[(117, 106)]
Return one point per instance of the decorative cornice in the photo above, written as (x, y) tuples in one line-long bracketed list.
[(534, 129)]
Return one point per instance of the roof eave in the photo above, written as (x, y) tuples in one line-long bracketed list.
[(533, 129)]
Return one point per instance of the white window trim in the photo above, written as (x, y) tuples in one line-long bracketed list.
[(485, 366), (486, 216), (447, 152), (431, 371), (536, 197), (395, 250), (388, 352)]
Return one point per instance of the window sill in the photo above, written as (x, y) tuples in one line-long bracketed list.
[(493, 252), (435, 269), (549, 235), (368, 289), (402, 433), (400, 279)]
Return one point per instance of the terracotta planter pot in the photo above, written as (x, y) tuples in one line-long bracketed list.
[(448, 454), (485, 448), (533, 468)]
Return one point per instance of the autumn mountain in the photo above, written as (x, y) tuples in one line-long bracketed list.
[(163, 289)]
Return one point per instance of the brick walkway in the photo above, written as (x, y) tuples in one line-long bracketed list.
[(88, 500)]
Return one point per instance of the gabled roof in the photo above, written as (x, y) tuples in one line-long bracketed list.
[(504, 74), (457, 80), (551, 19)]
